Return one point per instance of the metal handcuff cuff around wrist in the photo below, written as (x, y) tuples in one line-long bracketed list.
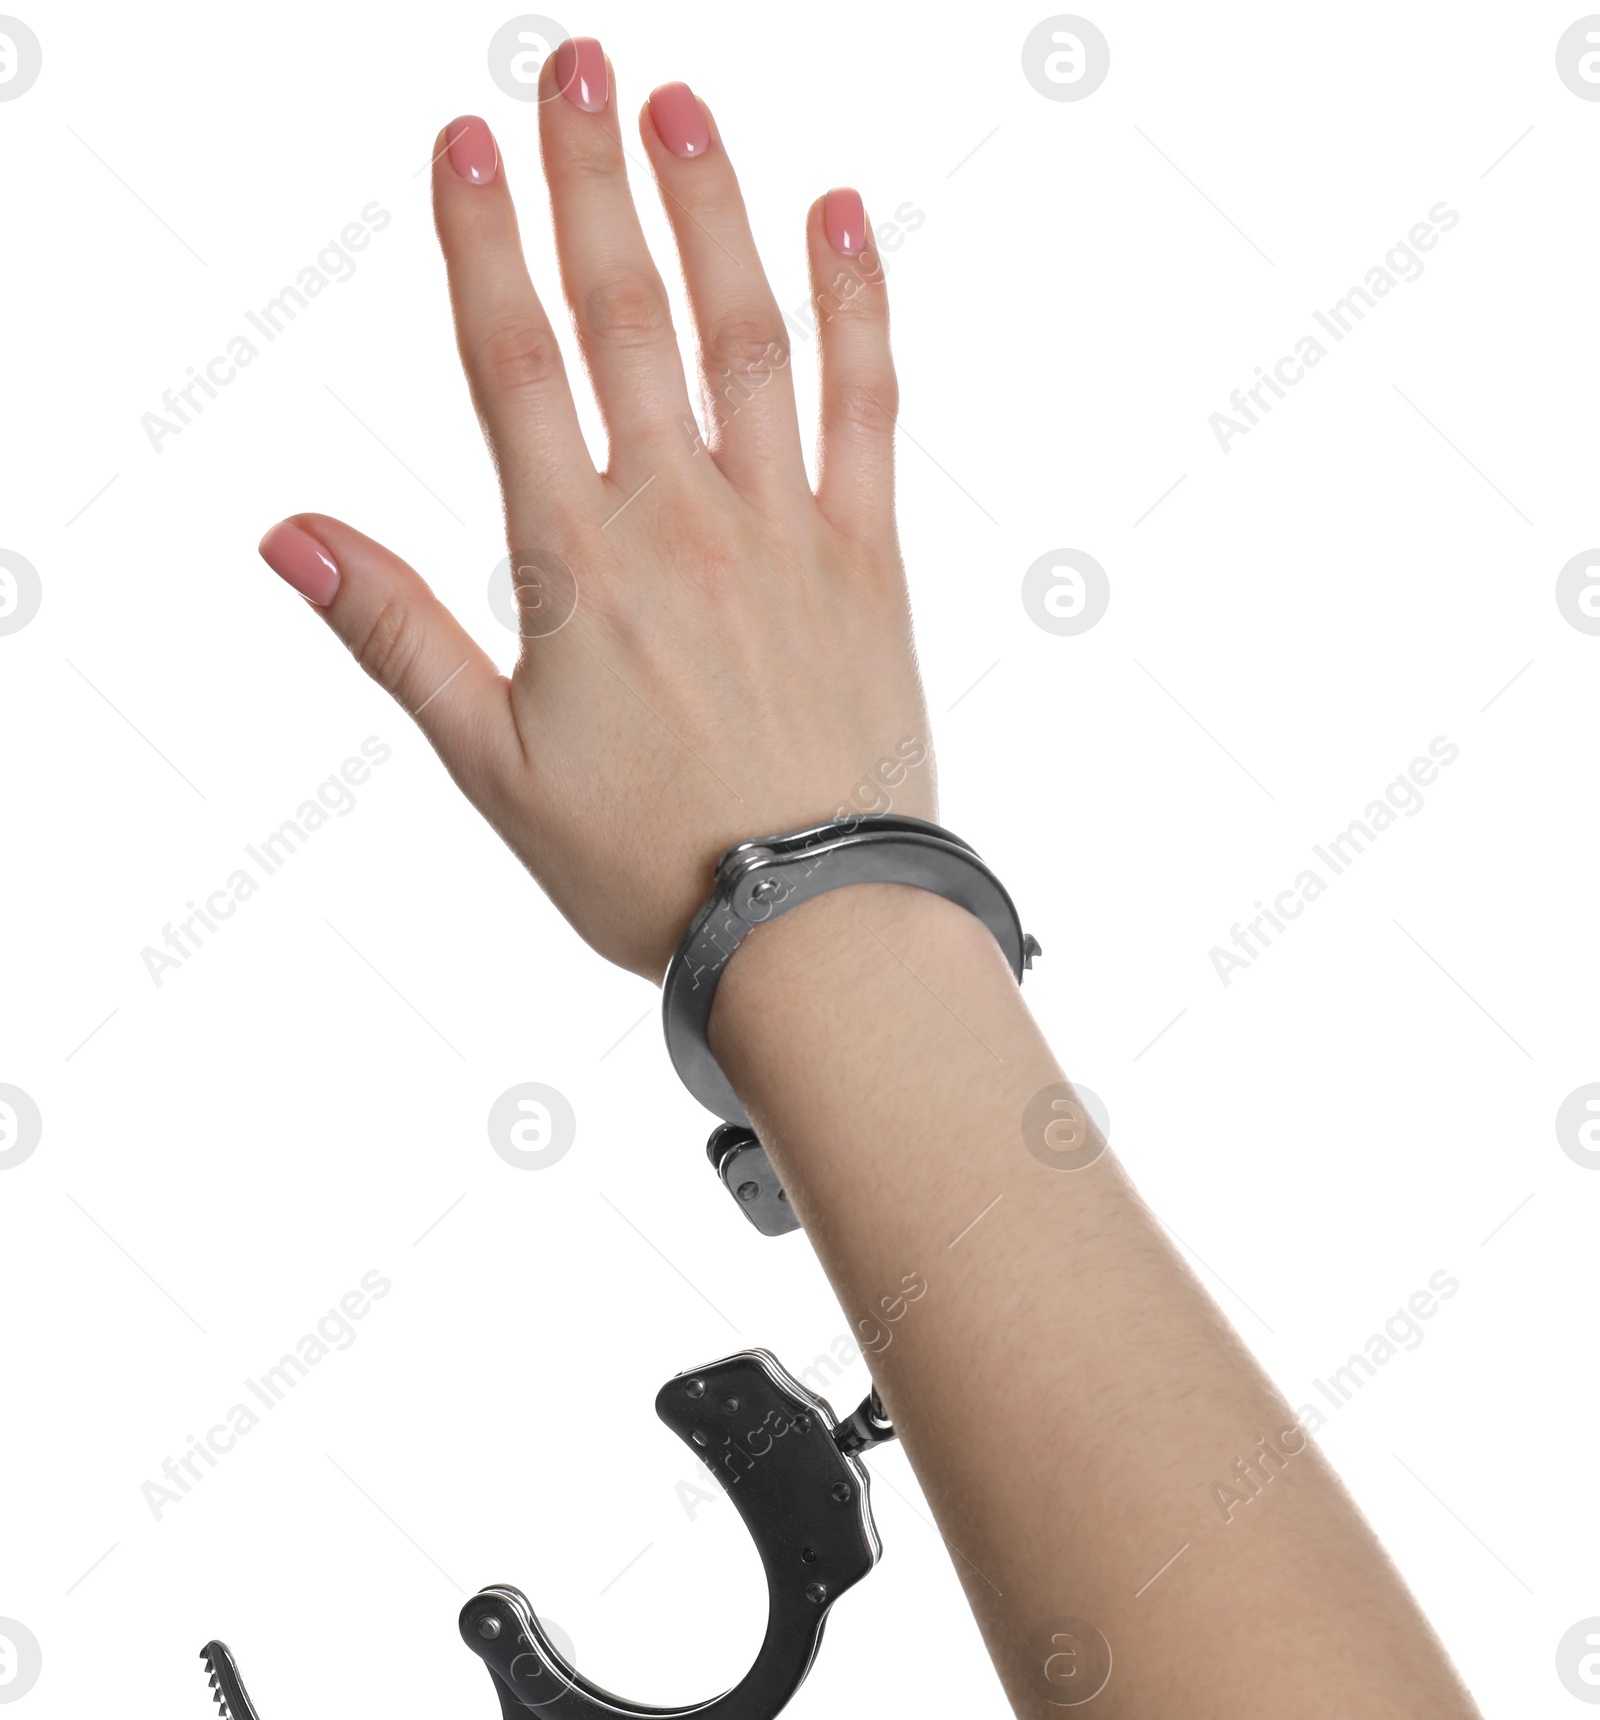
[(791, 1467), (758, 882)]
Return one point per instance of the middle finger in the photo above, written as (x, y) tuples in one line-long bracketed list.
[(618, 302)]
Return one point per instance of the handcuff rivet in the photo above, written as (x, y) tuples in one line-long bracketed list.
[(696, 1388), (488, 1627), (817, 1592), (731, 1405), (749, 1191), (765, 890), (841, 1492)]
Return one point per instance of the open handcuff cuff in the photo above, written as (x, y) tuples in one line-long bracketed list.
[(791, 1467)]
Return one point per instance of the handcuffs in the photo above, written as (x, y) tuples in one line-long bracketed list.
[(791, 1467)]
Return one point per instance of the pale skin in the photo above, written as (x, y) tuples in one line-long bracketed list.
[(739, 658)]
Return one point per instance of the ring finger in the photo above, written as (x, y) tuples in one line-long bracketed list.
[(744, 358)]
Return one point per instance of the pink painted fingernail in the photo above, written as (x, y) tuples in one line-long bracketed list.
[(581, 73), (299, 560), (472, 150), (845, 222), (679, 120)]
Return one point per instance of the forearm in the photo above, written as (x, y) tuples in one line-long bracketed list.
[(1066, 1391)]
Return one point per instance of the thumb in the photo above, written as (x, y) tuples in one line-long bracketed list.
[(405, 639)]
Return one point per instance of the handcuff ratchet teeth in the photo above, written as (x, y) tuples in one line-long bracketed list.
[(227, 1688)]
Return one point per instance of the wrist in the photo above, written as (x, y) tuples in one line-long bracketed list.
[(815, 975), (761, 882)]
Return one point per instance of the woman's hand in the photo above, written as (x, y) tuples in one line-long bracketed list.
[(738, 657)]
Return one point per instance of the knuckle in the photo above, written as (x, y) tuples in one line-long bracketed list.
[(854, 293), (704, 562), (389, 648), (713, 572), (745, 345), (626, 311), (582, 155), (868, 405), (518, 357)]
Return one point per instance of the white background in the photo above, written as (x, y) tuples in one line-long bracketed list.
[(1361, 1108)]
